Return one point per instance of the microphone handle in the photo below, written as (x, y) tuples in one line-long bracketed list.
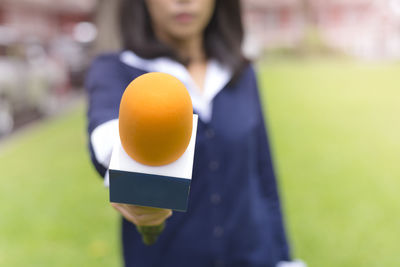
[(150, 233)]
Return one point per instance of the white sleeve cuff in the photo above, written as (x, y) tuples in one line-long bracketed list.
[(103, 139), (296, 263), (107, 179)]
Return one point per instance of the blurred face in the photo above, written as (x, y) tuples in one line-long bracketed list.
[(180, 19)]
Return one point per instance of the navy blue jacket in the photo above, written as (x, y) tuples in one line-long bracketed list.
[(234, 216)]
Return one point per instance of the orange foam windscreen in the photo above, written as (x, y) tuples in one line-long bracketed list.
[(155, 119)]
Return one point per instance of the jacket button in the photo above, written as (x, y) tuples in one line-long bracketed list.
[(219, 263), (218, 231), (214, 165), (215, 198), (210, 133)]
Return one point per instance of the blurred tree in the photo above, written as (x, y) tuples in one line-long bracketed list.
[(307, 12), (312, 42), (106, 19)]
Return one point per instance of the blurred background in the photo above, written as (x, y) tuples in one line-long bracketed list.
[(329, 75)]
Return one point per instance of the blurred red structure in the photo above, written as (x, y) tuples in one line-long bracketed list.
[(44, 18), (364, 28), (274, 23), (43, 55)]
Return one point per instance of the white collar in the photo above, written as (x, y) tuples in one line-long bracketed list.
[(217, 76)]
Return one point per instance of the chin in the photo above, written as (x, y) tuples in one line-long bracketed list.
[(184, 32)]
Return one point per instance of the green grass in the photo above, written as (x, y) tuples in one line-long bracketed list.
[(335, 129), (335, 132), (54, 211)]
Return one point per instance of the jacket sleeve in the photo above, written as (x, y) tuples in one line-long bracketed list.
[(104, 85), (267, 175)]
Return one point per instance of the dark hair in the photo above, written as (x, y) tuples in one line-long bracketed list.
[(222, 37)]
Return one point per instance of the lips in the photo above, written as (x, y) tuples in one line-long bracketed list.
[(184, 17)]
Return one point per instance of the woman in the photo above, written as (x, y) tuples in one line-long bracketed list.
[(234, 216)]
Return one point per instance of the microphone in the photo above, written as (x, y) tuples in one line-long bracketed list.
[(151, 165)]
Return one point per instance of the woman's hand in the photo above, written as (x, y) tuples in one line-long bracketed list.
[(142, 215)]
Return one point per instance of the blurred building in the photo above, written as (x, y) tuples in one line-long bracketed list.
[(272, 23), (43, 18), (364, 28), (43, 55), (58, 29)]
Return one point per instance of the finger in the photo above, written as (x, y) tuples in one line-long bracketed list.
[(144, 210), (164, 214), (121, 209), (139, 210), (152, 219), (114, 204), (133, 209), (153, 216)]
